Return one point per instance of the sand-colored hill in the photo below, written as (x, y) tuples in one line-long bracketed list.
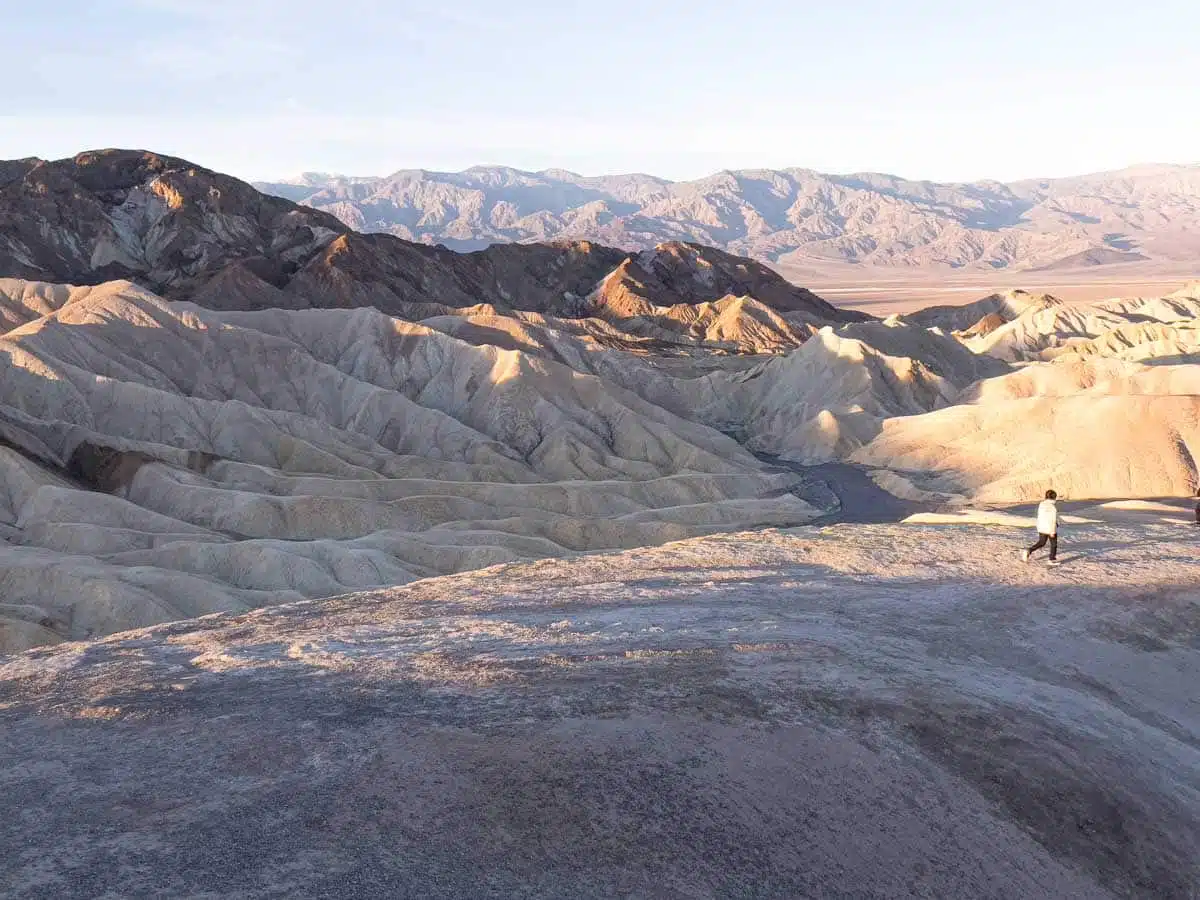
[(175, 460), (1174, 342), (824, 400), (1084, 446), (997, 309), (1046, 330), (1110, 411), (172, 461)]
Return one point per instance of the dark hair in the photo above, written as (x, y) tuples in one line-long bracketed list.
[(1050, 495)]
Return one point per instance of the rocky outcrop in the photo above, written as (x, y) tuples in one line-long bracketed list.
[(167, 223)]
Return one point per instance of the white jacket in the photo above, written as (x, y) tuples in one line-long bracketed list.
[(1047, 517)]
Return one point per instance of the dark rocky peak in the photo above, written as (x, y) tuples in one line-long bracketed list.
[(158, 220)]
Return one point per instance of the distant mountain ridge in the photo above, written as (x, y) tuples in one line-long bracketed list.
[(790, 216)]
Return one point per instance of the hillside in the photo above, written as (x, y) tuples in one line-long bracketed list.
[(791, 217), (251, 413)]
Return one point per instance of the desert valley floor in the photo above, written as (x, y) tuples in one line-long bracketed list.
[(338, 564)]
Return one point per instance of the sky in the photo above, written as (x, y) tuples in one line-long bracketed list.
[(264, 89)]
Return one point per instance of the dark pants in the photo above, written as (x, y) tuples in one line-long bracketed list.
[(1041, 542)]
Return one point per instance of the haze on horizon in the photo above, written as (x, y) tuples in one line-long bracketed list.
[(267, 88)]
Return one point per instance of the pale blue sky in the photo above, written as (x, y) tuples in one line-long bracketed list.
[(923, 88)]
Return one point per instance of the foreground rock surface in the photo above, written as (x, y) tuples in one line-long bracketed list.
[(867, 711)]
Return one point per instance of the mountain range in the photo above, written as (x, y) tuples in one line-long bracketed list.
[(792, 218)]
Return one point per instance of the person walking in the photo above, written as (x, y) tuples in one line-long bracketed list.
[(1198, 507), (1047, 526)]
